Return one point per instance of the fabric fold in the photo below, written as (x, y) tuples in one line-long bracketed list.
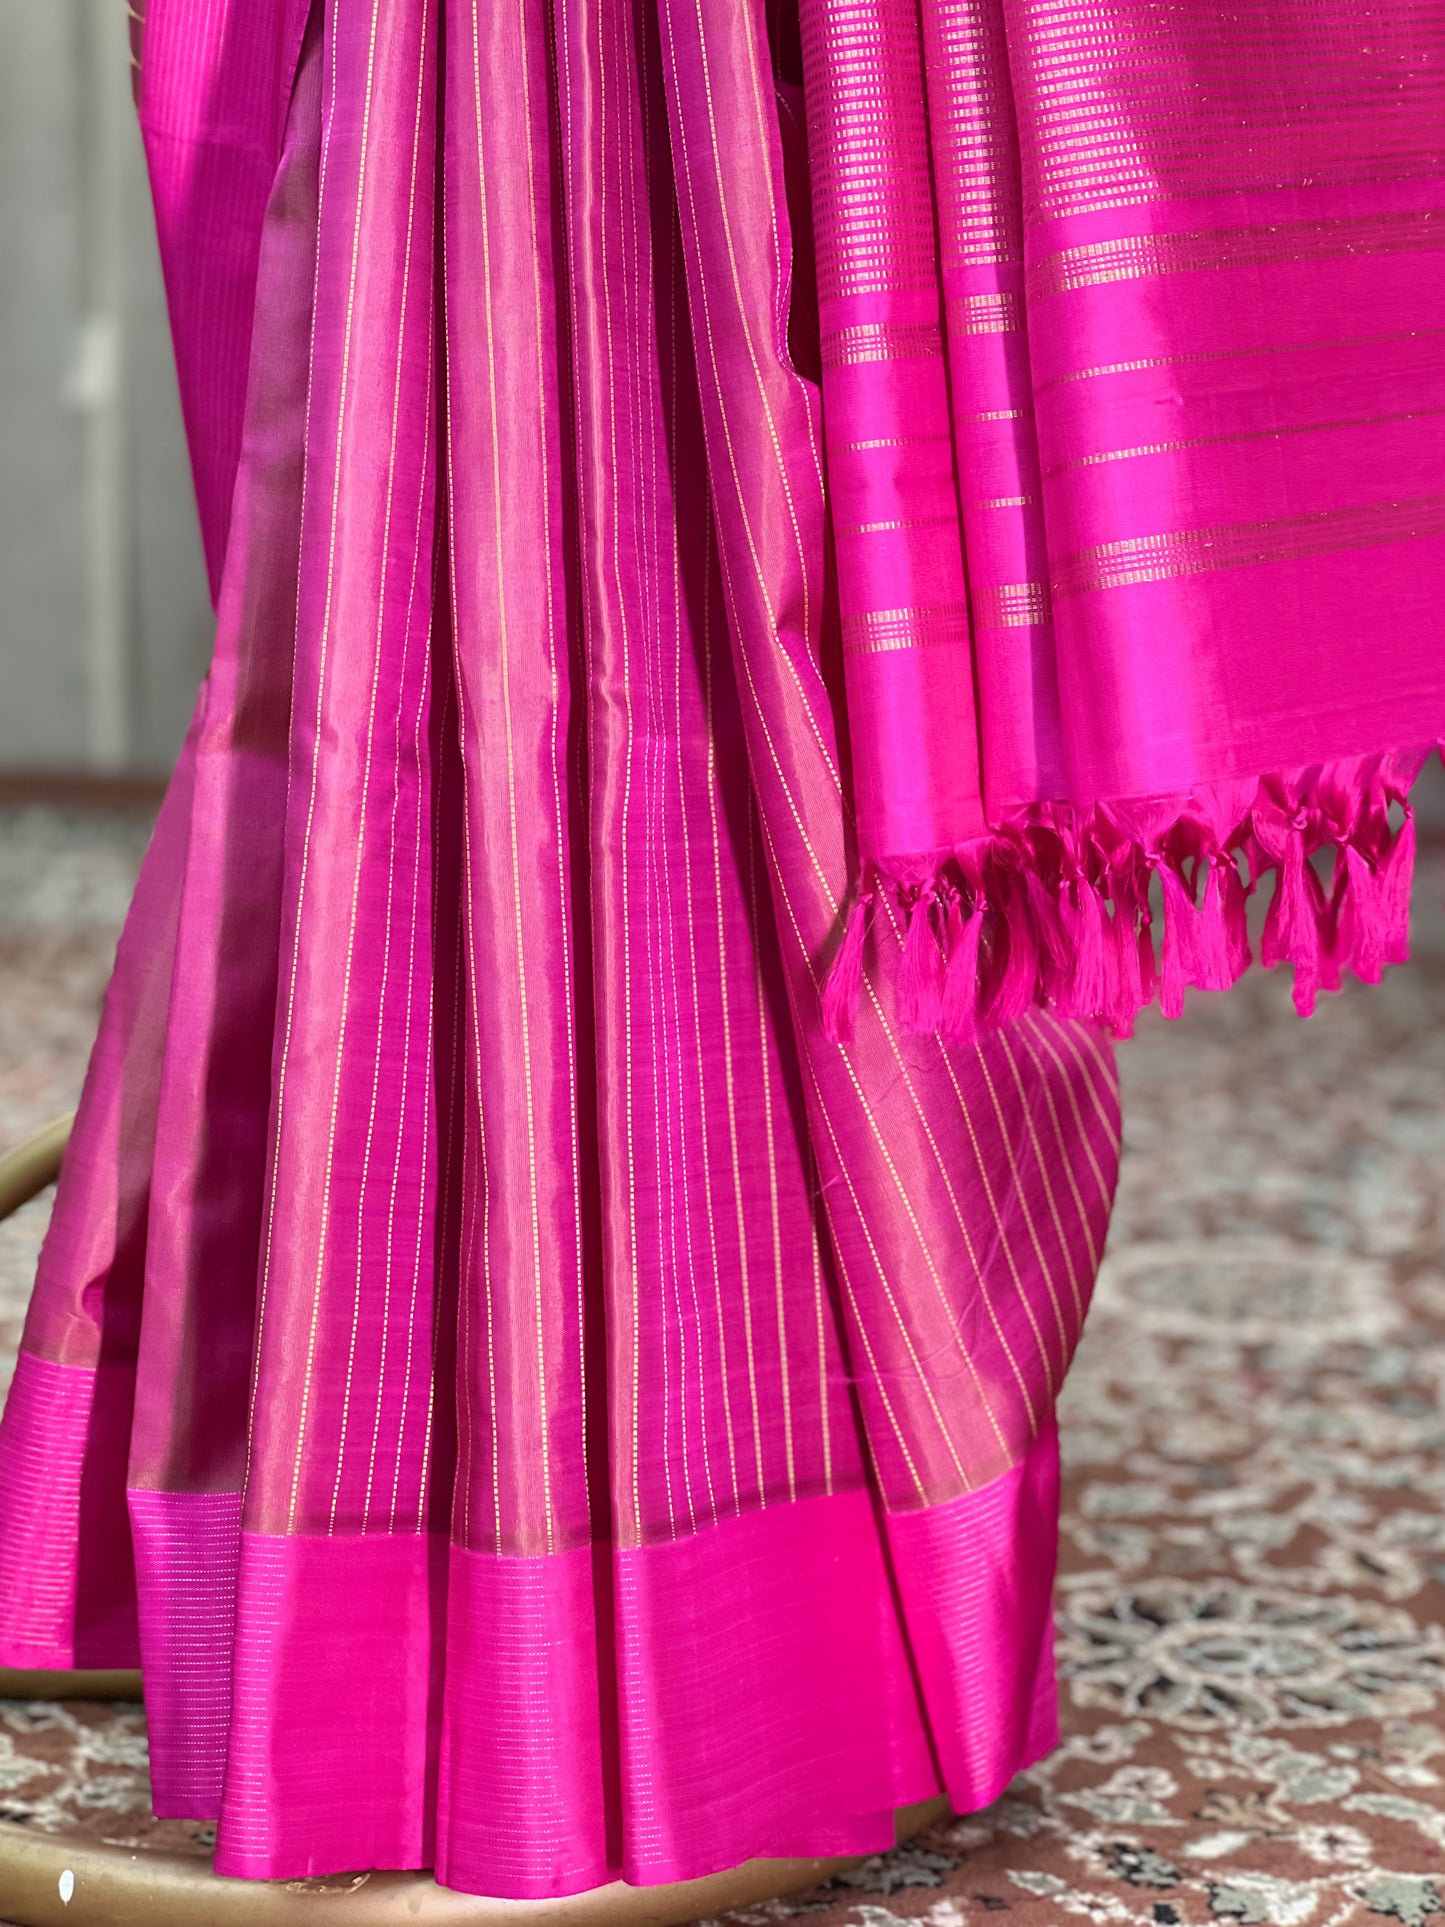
[(577, 1419), (1194, 470)]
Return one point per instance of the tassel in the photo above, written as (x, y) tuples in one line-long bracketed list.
[(1292, 927), (1337, 925), (959, 1016), (1395, 881), (1214, 959), (1236, 918), (1128, 989), (1051, 939), (920, 970), (1137, 884), (843, 985), (1018, 986), (1108, 957), (1085, 992), (1366, 955), (1180, 961), (1148, 968)]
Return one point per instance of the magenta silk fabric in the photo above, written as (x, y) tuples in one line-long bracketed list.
[(1131, 356), (534, 1404), (548, 1343)]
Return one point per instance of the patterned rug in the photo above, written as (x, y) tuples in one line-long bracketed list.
[(1253, 1577)]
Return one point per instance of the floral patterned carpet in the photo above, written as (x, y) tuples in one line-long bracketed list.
[(1253, 1579)]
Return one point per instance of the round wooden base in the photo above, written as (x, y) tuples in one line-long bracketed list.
[(17, 1685), (25, 1171), (47, 1880)]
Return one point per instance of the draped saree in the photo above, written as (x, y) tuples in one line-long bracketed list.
[(546, 1350)]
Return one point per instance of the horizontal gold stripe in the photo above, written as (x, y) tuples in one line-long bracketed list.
[(1244, 545), (907, 522), (890, 441), (985, 314), (1241, 354), (881, 341), (1272, 434), (1003, 502), (882, 630), (1011, 605), (1139, 256)]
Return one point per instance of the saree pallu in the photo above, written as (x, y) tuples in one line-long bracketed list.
[(534, 1404), (1134, 383)]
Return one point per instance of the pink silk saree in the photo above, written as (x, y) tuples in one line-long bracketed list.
[(547, 1347)]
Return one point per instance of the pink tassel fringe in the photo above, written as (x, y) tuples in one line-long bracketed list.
[(843, 985), (1055, 911), (959, 1018), (920, 970)]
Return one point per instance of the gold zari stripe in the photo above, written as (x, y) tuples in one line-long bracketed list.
[(882, 630), (903, 522), (985, 314), (1244, 545), (1135, 257), (1011, 605), (881, 341), (1276, 432)]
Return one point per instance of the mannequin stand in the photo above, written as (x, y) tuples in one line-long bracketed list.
[(58, 1880), (114, 1887)]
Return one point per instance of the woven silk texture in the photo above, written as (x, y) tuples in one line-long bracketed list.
[(755, 551), (535, 1405), (1131, 356)]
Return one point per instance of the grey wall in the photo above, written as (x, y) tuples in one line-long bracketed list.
[(104, 616)]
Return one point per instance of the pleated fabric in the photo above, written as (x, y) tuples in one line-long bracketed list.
[(534, 1404)]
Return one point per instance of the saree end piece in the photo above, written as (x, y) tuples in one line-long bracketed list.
[(1059, 908)]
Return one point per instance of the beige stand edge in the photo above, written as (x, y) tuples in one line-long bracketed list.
[(60, 1880), (113, 1887)]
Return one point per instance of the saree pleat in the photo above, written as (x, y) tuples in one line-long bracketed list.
[(582, 1419)]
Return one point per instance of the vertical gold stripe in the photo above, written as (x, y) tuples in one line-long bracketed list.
[(880, 1143), (276, 1131), (878, 1377), (444, 1190), (635, 1387), (967, 1115), (730, 1095), (782, 294), (1022, 1198), (720, 388), (826, 1440), (557, 757), (770, 1151), (685, 1111), (1072, 1095), (380, 1387), (714, 812), (342, 397), (478, 1203), (1065, 1159), (404, 1103), (1099, 1056), (642, 402), (1026, 1110), (504, 639), (1070, 1037)]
